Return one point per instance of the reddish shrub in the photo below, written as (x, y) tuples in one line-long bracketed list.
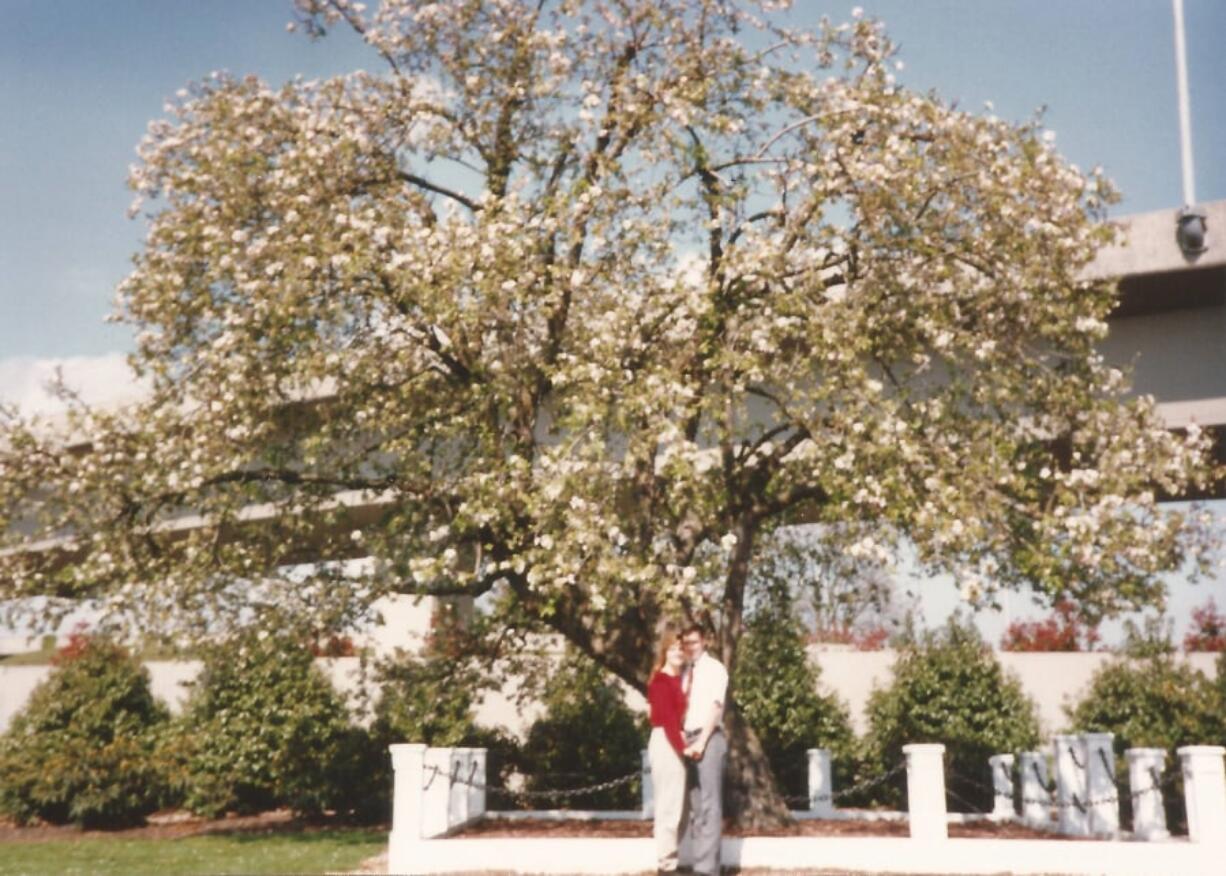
[(79, 642), (1208, 630), (1064, 630), (869, 638)]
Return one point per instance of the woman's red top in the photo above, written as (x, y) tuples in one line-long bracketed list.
[(667, 702)]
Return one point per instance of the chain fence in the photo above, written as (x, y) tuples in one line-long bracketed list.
[(561, 794), (1157, 785), (850, 791)]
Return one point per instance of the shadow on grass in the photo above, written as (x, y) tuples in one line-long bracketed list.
[(304, 836)]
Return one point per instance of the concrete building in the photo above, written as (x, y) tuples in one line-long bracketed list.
[(1170, 325)]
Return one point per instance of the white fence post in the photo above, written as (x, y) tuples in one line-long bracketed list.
[(457, 798), (926, 791), (436, 793), (407, 770), (1204, 788), (1036, 796), (1001, 766), (1101, 791), (1070, 758), (649, 791), (408, 766), (821, 800), (1144, 780), (477, 781)]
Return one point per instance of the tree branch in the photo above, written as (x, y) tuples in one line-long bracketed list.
[(360, 29), (424, 183)]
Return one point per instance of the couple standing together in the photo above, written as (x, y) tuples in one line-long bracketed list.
[(687, 748)]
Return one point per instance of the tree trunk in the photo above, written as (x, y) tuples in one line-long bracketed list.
[(753, 798)]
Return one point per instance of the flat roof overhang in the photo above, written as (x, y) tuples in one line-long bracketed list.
[(1155, 274)]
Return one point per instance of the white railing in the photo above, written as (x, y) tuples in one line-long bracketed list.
[(440, 790)]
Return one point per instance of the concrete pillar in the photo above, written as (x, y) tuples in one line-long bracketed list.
[(1036, 798), (1001, 766), (457, 800), (1144, 775), (408, 766), (436, 793), (649, 793), (476, 777), (408, 762), (926, 791), (1204, 788), (821, 802), (1101, 790), (1070, 760)]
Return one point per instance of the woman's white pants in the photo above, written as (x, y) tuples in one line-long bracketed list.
[(668, 790)]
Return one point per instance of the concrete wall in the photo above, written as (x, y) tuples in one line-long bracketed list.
[(1052, 679), (1179, 357)]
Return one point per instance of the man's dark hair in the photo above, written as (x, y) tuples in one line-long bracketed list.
[(693, 627)]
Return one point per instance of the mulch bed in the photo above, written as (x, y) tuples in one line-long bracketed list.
[(173, 825), (504, 827)]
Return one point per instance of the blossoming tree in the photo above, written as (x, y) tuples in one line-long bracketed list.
[(573, 303)]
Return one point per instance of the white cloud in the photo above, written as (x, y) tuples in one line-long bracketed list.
[(104, 381)]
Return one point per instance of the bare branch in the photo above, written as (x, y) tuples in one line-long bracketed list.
[(423, 183), (354, 22), (775, 212)]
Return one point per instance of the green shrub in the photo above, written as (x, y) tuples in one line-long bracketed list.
[(263, 729), (949, 688), (775, 686), (427, 699), (83, 748), (1155, 702), (587, 735), (431, 699)]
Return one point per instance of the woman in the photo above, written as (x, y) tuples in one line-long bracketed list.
[(666, 746)]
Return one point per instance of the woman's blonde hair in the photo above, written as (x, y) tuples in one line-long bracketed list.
[(670, 634)]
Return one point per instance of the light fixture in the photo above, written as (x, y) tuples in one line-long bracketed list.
[(1190, 230)]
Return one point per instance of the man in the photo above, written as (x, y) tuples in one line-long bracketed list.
[(706, 684)]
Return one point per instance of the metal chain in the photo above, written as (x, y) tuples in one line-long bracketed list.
[(1047, 786), (1108, 765), (866, 784), (561, 794), (1065, 804), (1156, 785), (847, 792), (967, 803)]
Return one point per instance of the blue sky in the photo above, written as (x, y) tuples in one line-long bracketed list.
[(80, 80)]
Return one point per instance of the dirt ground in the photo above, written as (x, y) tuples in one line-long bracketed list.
[(173, 825), (496, 827)]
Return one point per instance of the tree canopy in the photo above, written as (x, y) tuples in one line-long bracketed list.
[(573, 302)]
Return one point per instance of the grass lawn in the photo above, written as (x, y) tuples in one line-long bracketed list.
[(316, 852)]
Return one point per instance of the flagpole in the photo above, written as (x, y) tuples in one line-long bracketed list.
[(1185, 112)]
